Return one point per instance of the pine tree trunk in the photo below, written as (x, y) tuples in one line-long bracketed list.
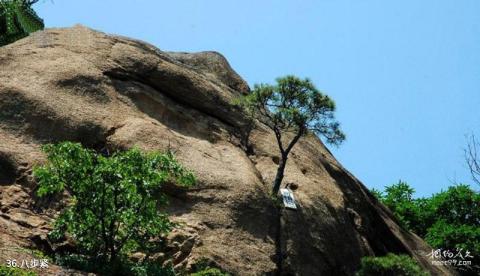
[(279, 176)]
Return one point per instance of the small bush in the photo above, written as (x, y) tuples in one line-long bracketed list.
[(210, 271), (13, 271), (205, 267), (391, 264), (144, 269)]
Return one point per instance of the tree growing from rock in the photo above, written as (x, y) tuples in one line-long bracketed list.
[(18, 20), (115, 200), (292, 108)]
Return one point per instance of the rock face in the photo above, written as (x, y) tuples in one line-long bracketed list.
[(108, 91)]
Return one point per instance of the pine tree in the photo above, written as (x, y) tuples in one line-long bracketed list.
[(18, 20), (292, 108)]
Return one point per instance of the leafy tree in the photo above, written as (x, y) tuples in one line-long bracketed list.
[(377, 193), (17, 20), (115, 200), (456, 223), (449, 220), (292, 108), (399, 199), (457, 205), (453, 237), (398, 193), (391, 264)]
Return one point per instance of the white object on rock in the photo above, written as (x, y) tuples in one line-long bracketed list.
[(288, 198)]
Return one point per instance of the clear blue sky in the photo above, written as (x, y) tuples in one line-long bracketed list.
[(405, 74)]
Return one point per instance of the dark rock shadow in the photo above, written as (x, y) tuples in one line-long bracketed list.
[(174, 115), (85, 86), (43, 124), (378, 234), (257, 215), (8, 172)]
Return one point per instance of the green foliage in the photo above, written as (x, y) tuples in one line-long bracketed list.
[(13, 271), (150, 269), (125, 267), (17, 20), (204, 267), (391, 264), (115, 200), (398, 193), (78, 262), (209, 271), (121, 267), (399, 199), (293, 106), (377, 193), (458, 205), (451, 236), (448, 220)]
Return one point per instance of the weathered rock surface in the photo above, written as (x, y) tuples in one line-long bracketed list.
[(109, 91)]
